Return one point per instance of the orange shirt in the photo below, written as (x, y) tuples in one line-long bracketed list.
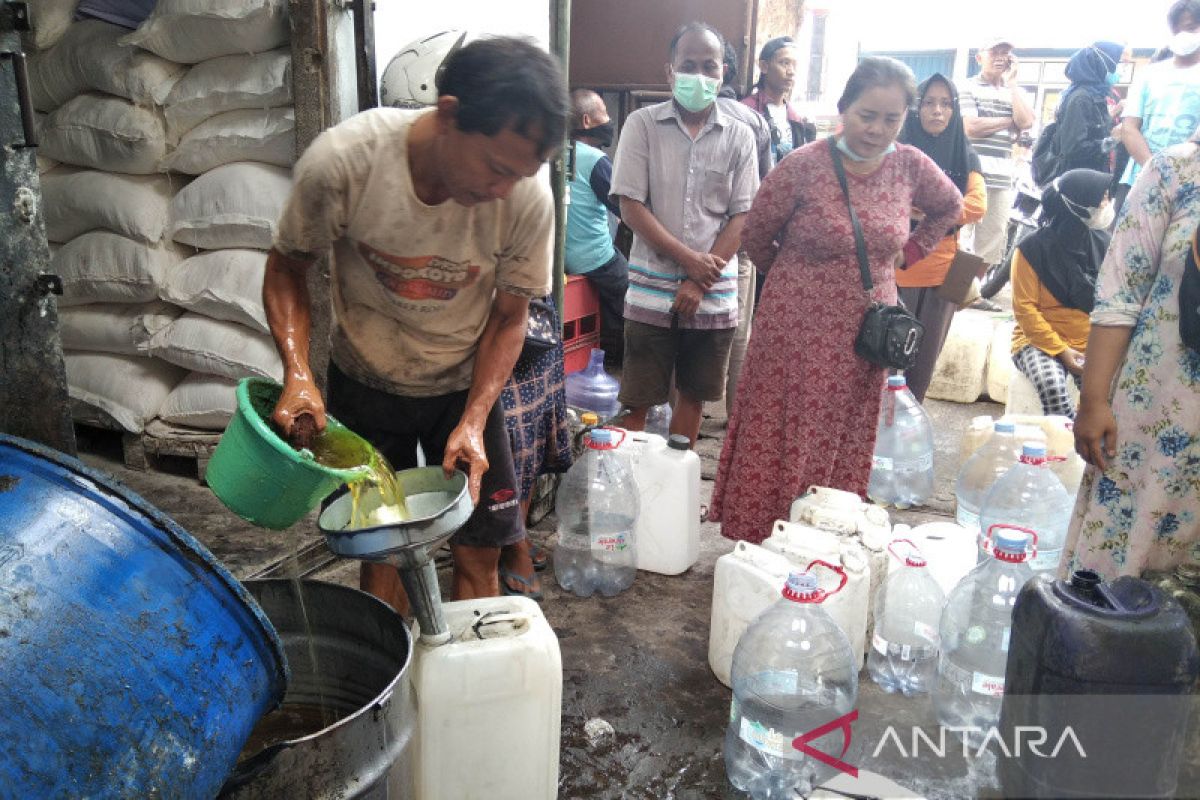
[(1042, 321), (931, 270)]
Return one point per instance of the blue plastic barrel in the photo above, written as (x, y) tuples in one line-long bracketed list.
[(131, 663)]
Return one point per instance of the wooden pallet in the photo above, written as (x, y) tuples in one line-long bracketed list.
[(162, 439)]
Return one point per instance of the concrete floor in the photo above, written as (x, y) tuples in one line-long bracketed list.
[(637, 661)]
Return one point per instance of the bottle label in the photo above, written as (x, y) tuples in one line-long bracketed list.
[(926, 632), (611, 542), (1005, 638), (1045, 560), (990, 685), (768, 740), (881, 462), (922, 464), (905, 652)]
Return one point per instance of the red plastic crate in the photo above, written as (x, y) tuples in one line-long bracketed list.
[(580, 298), (577, 354)]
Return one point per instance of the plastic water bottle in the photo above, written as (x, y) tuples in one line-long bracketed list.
[(902, 468), (597, 507), (793, 672), (908, 608), (1031, 496), (981, 471), (658, 420), (593, 389), (975, 630)]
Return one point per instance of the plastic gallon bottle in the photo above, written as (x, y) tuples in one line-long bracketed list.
[(593, 389), (908, 608), (668, 527), (975, 631), (658, 420), (902, 468), (1115, 662), (1031, 496), (793, 672), (981, 471), (597, 507)]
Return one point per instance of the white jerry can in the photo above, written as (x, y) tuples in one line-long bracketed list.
[(802, 544), (745, 583), (667, 533), (950, 551), (1000, 366), (498, 681), (959, 375)]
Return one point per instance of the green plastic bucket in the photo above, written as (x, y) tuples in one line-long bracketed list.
[(258, 475)]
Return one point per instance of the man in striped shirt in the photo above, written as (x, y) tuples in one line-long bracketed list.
[(995, 110), (686, 174)]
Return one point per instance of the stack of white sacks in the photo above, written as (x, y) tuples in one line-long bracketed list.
[(174, 145)]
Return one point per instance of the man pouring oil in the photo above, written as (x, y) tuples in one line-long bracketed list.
[(440, 234)]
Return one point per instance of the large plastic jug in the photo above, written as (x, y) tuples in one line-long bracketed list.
[(850, 607), (793, 673), (658, 420), (902, 467), (668, 527), (908, 608), (975, 631), (1057, 432), (986, 466), (498, 681), (949, 550), (597, 506), (745, 583), (1115, 663), (593, 389), (1030, 496)]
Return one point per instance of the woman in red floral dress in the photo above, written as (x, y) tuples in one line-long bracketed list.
[(806, 410)]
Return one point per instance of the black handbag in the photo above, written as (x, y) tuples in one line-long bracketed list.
[(889, 336), (542, 332)]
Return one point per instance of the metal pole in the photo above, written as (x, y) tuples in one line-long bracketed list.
[(364, 53), (33, 383), (560, 45)]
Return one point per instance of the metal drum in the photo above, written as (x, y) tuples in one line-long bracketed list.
[(131, 663), (349, 654)]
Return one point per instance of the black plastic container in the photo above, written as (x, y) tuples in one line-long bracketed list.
[(1100, 679)]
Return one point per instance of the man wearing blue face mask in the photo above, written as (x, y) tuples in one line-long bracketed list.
[(686, 173), (1163, 94)]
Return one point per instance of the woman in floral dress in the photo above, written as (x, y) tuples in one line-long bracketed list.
[(806, 409), (1139, 505)]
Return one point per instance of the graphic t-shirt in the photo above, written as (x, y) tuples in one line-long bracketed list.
[(413, 284), (1167, 101)]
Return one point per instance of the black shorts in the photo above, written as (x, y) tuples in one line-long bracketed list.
[(396, 424)]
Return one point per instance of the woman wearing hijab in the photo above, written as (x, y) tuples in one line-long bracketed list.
[(935, 127), (1054, 285), (1084, 118)]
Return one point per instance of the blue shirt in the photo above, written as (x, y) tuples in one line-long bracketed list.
[(1167, 101), (589, 242)]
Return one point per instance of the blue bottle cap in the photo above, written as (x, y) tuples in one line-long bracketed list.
[(1011, 541), (1033, 450), (1005, 426), (897, 380), (601, 436)]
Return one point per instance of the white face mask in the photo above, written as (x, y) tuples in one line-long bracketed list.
[(1097, 219), (1185, 43)]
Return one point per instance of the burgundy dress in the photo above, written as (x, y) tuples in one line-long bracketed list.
[(806, 406)]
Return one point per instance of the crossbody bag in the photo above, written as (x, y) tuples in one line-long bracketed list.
[(889, 335)]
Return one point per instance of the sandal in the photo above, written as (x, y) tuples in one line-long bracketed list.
[(539, 557), (527, 583)]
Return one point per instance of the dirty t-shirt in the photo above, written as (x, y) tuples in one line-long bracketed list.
[(413, 284)]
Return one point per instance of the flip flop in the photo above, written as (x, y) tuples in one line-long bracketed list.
[(540, 558), (508, 591)]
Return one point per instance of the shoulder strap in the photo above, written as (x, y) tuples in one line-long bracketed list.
[(860, 244)]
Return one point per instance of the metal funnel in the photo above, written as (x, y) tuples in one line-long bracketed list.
[(438, 506)]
